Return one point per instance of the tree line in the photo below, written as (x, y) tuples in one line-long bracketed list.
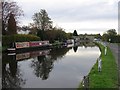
[(43, 28), (42, 25), (111, 36)]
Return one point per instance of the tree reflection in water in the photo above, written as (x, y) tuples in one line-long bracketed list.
[(57, 54), (44, 65), (11, 74), (87, 44), (75, 48)]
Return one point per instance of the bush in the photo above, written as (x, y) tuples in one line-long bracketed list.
[(8, 39)]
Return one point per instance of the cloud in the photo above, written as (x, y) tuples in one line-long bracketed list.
[(96, 26), (86, 12), (79, 13)]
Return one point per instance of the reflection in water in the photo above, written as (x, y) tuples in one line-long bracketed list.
[(87, 44), (75, 48), (20, 71), (44, 65), (58, 53), (33, 54), (11, 76)]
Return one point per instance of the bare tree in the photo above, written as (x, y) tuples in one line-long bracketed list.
[(9, 8)]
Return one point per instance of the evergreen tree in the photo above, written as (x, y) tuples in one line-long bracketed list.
[(75, 33), (12, 29)]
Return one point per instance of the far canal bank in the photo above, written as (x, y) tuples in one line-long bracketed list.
[(108, 77)]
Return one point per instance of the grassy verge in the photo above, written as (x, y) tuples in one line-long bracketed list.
[(119, 44), (108, 77), (0, 47)]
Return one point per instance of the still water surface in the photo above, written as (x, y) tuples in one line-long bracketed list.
[(57, 68)]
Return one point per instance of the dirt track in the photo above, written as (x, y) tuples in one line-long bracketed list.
[(116, 52)]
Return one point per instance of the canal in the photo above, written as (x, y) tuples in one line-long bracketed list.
[(56, 68)]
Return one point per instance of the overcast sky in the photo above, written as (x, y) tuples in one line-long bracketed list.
[(86, 16)]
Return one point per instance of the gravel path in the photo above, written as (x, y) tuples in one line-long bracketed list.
[(116, 52)]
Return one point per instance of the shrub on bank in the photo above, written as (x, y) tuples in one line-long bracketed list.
[(8, 39)]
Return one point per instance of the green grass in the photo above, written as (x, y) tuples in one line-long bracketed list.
[(108, 77), (119, 44), (0, 48)]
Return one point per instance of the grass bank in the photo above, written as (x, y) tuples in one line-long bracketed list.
[(119, 44), (108, 77)]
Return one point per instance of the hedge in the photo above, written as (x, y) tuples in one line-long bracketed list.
[(8, 39)]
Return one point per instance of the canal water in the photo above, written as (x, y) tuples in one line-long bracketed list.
[(56, 68)]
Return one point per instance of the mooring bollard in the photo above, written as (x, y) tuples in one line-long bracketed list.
[(99, 65), (86, 81), (106, 50)]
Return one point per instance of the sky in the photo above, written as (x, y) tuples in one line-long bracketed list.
[(85, 16)]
